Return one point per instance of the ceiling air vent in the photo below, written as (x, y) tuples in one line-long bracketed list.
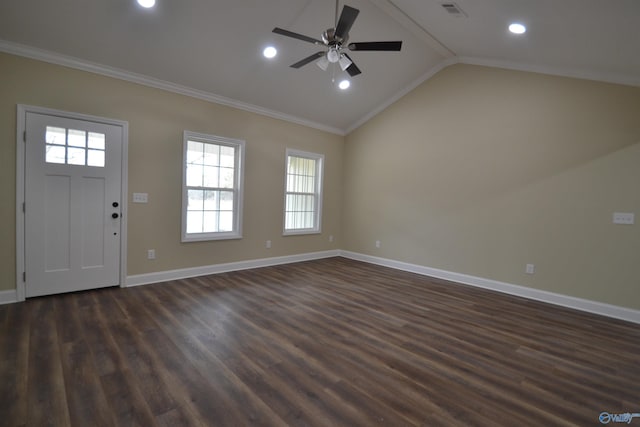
[(453, 9)]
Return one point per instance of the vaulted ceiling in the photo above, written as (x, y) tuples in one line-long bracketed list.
[(213, 49)]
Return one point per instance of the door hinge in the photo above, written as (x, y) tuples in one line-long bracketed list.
[(24, 136), (24, 207), (24, 276)]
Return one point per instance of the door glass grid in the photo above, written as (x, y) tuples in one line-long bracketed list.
[(74, 147)]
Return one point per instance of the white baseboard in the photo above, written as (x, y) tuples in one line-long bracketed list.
[(613, 311), (8, 297), (600, 308), (184, 273)]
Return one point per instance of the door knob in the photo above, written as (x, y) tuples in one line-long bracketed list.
[(115, 204), (114, 215)]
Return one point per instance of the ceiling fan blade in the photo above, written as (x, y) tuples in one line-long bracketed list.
[(379, 46), (347, 18), (291, 34), (308, 59), (352, 69)]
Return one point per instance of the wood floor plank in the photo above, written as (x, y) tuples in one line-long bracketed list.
[(143, 365), (211, 402), (85, 395), (14, 356), (46, 396), (127, 403), (393, 403), (331, 342)]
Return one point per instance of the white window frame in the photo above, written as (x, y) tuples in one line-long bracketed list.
[(317, 228), (238, 187)]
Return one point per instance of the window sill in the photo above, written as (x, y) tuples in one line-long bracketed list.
[(209, 237), (301, 232)]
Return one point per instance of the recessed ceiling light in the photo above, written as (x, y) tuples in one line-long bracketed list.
[(517, 28), (344, 84), (147, 3), (270, 52)]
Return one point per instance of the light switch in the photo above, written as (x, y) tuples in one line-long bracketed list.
[(623, 218), (140, 197)]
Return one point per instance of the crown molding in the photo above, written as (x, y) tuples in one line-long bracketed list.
[(75, 63), (105, 70), (615, 78), (576, 73)]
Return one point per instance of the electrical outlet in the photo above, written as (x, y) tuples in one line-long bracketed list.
[(530, 269), (377, 243), (331, 238), (151, 254), (268, 244)]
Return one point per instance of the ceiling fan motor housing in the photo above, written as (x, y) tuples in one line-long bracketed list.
[(330, 39)]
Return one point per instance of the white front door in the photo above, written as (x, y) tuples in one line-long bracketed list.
[(73, 173)]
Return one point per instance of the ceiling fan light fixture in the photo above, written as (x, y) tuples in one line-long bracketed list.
[(344, 84), (344, 62), (323, 63), (333, 56)]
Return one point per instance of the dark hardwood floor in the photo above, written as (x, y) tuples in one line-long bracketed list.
[(331, 342)]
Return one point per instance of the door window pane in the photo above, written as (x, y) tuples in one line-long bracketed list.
[(96, 141), (69, 146), (75, 156), (77, 138), (95, 158), (57, 136), (56, 154)]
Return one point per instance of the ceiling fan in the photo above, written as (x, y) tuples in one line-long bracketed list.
[(335, 42)]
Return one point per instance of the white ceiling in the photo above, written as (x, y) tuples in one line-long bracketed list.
[(212, 49)]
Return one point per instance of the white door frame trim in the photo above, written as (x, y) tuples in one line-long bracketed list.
[(22, 111)]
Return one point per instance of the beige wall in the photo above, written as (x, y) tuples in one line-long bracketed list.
[(477, 171), (157, 120), (481, 171)]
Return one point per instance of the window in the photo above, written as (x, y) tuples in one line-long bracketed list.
[(74, 147), (303, 193), (212, 188)]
